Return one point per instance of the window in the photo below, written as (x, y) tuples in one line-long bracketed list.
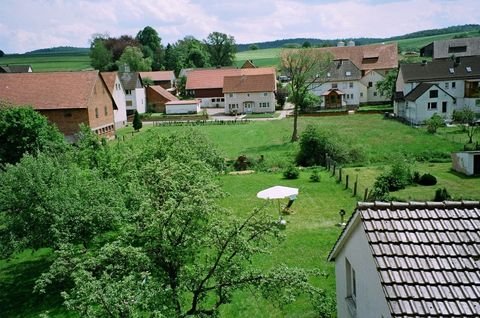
[(106, 111), (351, 281), (230, 95), (222, 99), (128, 92), (350, 84), (348, 73), (334, 85), (129, 103), (67, 114), (374, 93), (453, 84), (434, 93), (447, 85), (457, 49), (265, 94), (370, 84), (451, 70), (361, 94), (444, 107), (96, 112), (213, 100), (432, 105), (328, 74), (469, 69)]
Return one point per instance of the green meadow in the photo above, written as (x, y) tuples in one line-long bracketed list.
[(50, 62)]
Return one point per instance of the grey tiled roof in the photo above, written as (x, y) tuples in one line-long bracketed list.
[(420, 89), (427, 256), (442, 70), (338, 71)]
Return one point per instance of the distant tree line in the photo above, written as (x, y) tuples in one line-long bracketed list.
[(145, 52)]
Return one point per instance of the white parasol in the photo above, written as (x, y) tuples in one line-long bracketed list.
[(277, 192)]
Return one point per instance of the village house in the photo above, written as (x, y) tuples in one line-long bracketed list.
[(165, 79), (135, 98), (250, 93), (354, 74), (444, 49), (67, 99), (440, 86), (207, 84), (417, 259), (116, 89), (157, 97)]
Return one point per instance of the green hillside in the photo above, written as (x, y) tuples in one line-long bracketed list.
[(50, 62)]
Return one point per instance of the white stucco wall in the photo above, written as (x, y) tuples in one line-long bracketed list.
[(140, 100), (417, 112), (182, 109), (344, 86), (240, 99), (120, 114), (370, 300), (373, 96), (216, 102)]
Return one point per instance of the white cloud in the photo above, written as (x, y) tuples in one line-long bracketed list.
[(44, 23)]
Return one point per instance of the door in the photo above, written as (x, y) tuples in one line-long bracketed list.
[(444, 107), (476, 164), (248, 107)]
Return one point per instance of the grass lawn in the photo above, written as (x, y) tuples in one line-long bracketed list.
[(265, 115), (310, 232), (50, 62)]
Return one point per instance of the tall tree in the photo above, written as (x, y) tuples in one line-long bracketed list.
[(100, 57), (23, 130), (133, 57), (466, 117), (117, 45), (222, 49), (307, 69), (151, 46), (2, 53)]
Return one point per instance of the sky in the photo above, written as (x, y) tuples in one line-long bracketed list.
[(27, 25)]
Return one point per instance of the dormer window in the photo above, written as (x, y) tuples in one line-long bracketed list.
[(469, 69), (348, 73), (328, 74), (451, 70)]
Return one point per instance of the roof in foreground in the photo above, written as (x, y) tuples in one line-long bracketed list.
[(447, 69), (213, 78), (162, 92), (52, 90), (427, 255)]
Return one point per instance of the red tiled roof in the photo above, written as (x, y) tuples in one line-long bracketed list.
[(163, 92), (54, 90), (158, 75), (386, 53), (207, 79), (249, 83)]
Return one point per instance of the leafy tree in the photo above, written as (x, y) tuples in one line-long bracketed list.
[(222, 49), (151, 46), (171, 59), (466, 117), (2, 54), (23, 130), (386, 87), (434, 122), (137, 122), (307, 69), (253, 47), (47, 202), (118, 45), (181, 86), (133, 57), (281, 95), (100, 57), (306, 44)]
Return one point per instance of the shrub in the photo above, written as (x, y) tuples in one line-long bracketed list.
[(137, 121), (427, 180), (434, 123), (441, 195), (316, 143), (291, 172), (416, 177), (315, 176), (242, 163)]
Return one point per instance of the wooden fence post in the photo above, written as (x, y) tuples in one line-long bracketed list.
[(340, 175), (355, 188), (365, 195), (333, 173), (346, 182)]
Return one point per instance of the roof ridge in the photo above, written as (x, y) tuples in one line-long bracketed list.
[(416, 204)]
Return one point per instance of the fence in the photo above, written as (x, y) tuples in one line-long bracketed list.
[(351, 182)]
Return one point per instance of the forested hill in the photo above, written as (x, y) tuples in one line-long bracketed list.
[(358, 41), (61, 50)]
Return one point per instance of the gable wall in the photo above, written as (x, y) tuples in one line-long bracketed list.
[(100, 99), (371, 300)]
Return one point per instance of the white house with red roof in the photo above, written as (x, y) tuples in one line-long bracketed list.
[(250, 93), (115, 87), (207, 84)]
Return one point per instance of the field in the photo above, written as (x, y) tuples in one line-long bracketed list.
[(50, 62)]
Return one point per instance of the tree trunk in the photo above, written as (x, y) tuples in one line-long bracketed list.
[(295, 119)]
